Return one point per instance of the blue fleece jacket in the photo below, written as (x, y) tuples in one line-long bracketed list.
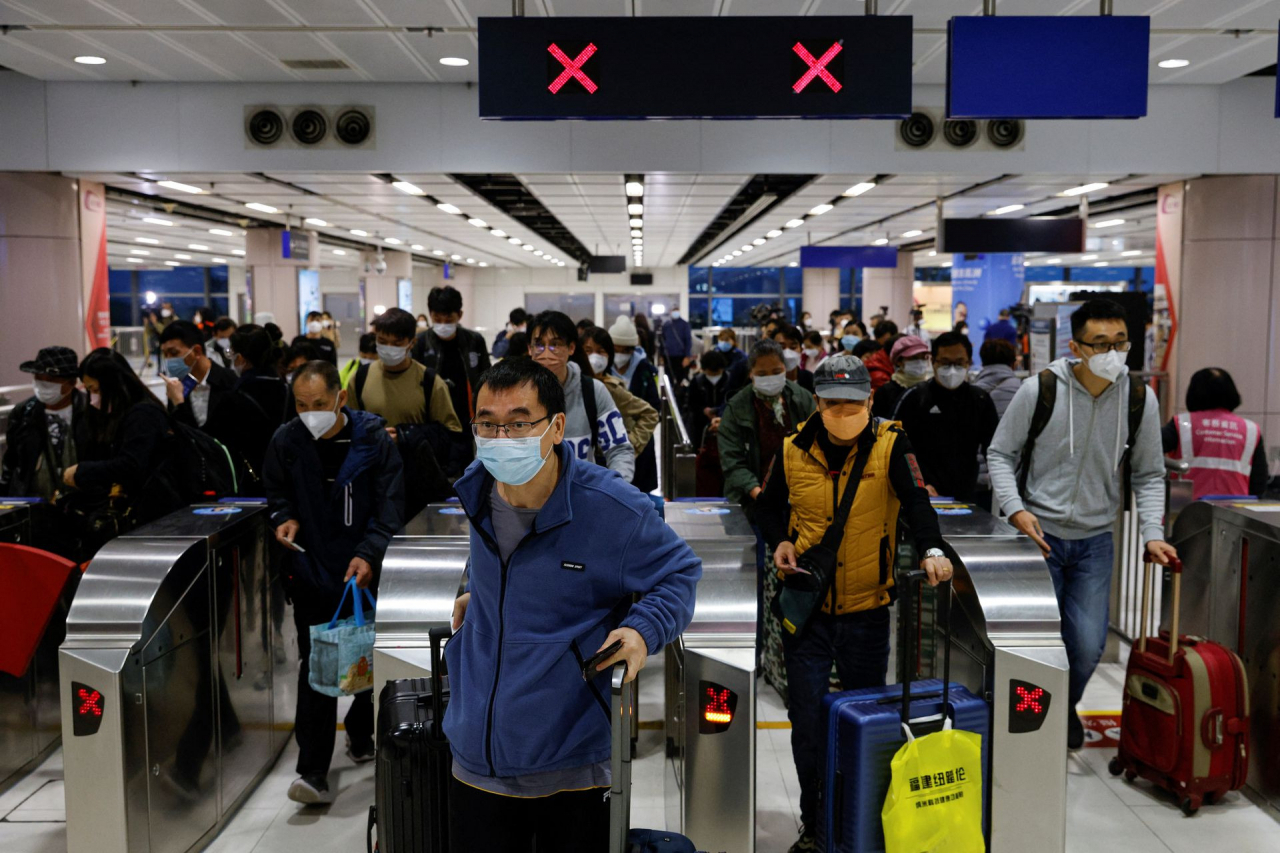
[(518, 704)]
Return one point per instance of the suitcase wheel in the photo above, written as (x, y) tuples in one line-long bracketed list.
[(1115, 767), (1190, 805)]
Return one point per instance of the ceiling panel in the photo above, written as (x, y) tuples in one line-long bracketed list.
[(242, 12)]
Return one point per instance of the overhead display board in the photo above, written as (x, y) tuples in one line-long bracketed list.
[(848, 257), (1068, 66), (1012, 235), (695, 67)]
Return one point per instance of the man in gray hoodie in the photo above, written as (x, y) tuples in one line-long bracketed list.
[(1074, 484)]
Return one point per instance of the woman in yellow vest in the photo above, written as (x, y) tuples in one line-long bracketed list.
[(802, 490)]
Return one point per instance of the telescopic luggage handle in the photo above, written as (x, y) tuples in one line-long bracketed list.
[(912, 579), (438, 673), (620, 762), (1175, 566)]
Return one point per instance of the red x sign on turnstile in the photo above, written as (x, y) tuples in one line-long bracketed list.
[(1030, 699), (817, 67), (572, 68)]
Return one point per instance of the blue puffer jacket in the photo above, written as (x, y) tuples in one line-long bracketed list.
[(518, 704)]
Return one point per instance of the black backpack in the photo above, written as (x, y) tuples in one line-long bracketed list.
[(203, 467), (428, 386), (1044, 411)]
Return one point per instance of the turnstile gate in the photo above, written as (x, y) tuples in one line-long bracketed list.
[(179, 680)]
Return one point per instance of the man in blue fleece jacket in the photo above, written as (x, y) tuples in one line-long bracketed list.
[(559, 549)]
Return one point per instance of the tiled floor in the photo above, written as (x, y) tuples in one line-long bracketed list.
[(1104, 814)]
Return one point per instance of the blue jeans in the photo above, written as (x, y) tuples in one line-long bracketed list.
[(1081, 572), (858, 643)]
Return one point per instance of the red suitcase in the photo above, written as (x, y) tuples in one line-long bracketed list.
[(1185, 724)]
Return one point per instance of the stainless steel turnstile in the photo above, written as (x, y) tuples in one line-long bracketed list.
[(710, 779), (1231, 594), (15, 522), (178, 679)]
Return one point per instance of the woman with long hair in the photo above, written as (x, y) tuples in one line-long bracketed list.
[(638, 415), (260, 399)]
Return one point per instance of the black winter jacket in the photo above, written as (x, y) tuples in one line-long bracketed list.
[(139, 459), (27, 442), (356, 518), (475, 360)]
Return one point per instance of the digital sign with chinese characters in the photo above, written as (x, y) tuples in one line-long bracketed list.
[(695, 67)]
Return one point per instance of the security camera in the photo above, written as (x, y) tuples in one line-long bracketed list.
[(380, 267)]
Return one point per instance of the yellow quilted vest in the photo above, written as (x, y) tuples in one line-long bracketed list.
[(864, 571)]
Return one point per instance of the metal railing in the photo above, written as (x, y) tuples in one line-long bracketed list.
[(1126, 580), (676, 474)]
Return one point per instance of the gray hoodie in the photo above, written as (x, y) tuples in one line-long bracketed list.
[(1074, 484), (619, 455)]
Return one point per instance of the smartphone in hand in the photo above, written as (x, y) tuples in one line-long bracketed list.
[(589, 665), (293, 546)]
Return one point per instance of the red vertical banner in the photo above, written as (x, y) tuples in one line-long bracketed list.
[(93, 248), (1168, 283)]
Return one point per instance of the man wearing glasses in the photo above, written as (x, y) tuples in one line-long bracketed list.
[(567, 559), (1057, 464)]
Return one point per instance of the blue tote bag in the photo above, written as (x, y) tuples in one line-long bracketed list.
[(341, 662)]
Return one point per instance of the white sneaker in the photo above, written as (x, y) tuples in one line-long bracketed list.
[(310, 791)]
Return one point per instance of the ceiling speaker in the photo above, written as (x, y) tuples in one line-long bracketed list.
[(917, 130), (265, 127), (960, 133), (309, 127), (1005, 133), (353, 127)]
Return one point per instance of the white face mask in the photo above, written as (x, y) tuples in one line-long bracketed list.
[(391, 355), (224, 344), (714, 379), (364, 360), (328, 324), (47, 392), (1107, 365), (770, 386), (675, 315), (621, 360), (790, 359), (422, 325), (445, 330), (916, 368), (811, 353), (165, 312), (318, 423), (950, 377), (598, 362), (314, 327)]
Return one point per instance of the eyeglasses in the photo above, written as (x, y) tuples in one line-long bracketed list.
[(1118, 346), (553, 348), (518, 429)]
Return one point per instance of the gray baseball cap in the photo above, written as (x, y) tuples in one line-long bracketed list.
[(842, 377)]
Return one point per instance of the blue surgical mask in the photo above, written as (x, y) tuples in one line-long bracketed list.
[(514, 461), (850, 341), (176, 367), (724, 346)]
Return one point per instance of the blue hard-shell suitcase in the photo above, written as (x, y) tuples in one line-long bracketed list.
[(864, 732)]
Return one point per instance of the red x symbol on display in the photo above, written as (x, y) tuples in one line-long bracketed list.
[(817, 67), (90, 703), (572, 68), (1030, 699)]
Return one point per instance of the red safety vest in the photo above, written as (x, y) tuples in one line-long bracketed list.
[(1219, 447)]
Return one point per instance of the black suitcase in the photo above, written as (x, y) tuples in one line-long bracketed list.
[(414, 763)]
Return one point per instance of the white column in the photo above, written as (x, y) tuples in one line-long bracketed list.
[(889, 287), (821, 294), (274, 278)]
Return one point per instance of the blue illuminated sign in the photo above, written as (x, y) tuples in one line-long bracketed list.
[(848, 257)]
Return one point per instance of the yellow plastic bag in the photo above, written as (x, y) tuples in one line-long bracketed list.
[(935, 795)]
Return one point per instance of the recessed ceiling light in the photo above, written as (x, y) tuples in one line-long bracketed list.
[(221, 232), (820, 209), (1053, 261), (483, 264), (454, 61), (515, 241), (1088, 257), (408, 188), (858, 189), (1164, 63), (237, 252), (759, 241), (1107, 223), (181, 257), (635, 209), (883, 241), (912, 233), (319, 223), (261, 208), (199, 247), (774, 233), (1102, 264), (139, 252), (736, 253), (156, 221), (748, 248), (359, 233), (635, 189), (1131, 253), (135, 260), (173, 263), (455, 257), (636, 223), (91, 60), (946, 263), (392, 241), (417, 247), (218, 260), (637, 241), (449, 208), (537, 253), (339, 251), (933, 253), (437, 252), (478, 222), (1008, 208), (498, 232), (471, 260), (186, 188), (636, 232), (794, 264), (1084, 188), (527, 247), (793, 223)]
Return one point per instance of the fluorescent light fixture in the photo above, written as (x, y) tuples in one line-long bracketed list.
[(636, 232), (319, 223), (1131, 253), (417, 247), (858, 189), (820, 209), (759, 241), (218, 260), (1102, 264), (736, 253), (637, 241), (379, 309), (527, 247), (478, 222), (91, 60), (1008, 208), (135, 260), (454, 61), (199, 247), (408, 188), (471, 260), (793, 223), (1088, 257), (239, 252), (1107, 223), (483, 264), (156, 221), (359, 233), (1085, 188), (181, 256), (636, 223), (449, 208), (455, 257), (1053, 261), (747, 248), (339, 251), (392, 241), (1164, 63), (139, 252), (774, 233), (437, 252), (635, 209), (946, 263), (635, 189), (794, 264), (933, 253), (221, 232), (261, 208), (912, 233), (186, 188), (498, 232), (883, 241), (515, 241), (173, 263), (537, 253)]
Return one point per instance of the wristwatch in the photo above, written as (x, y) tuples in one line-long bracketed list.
[(933, 553)]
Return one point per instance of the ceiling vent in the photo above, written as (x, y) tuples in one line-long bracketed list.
[(927, 130), (315, 64), (309, 126)]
